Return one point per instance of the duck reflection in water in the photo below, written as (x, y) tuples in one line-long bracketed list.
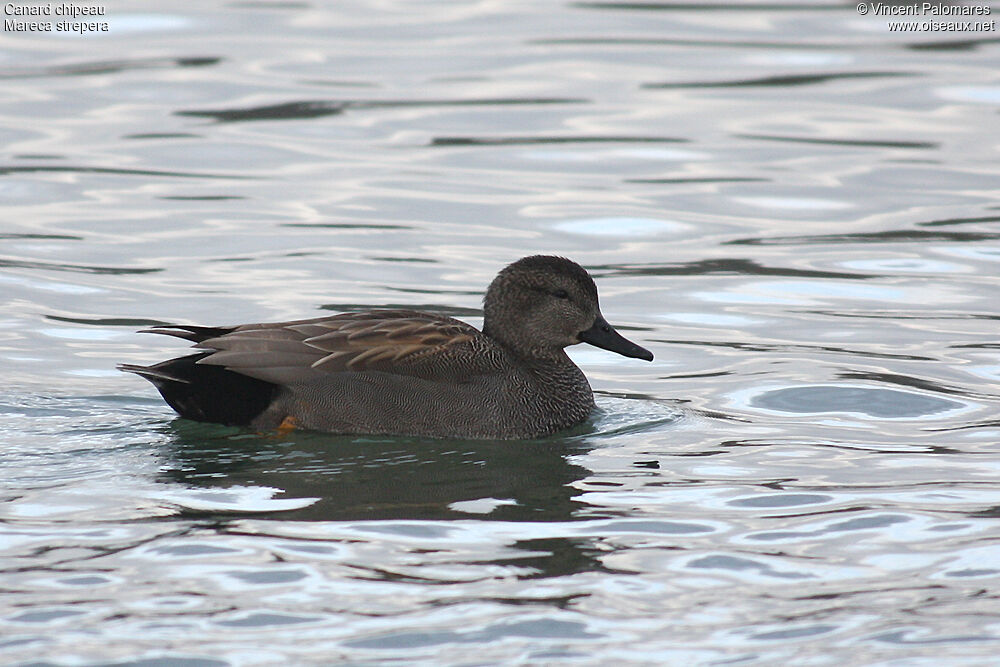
[(367, 477), (387, 479)]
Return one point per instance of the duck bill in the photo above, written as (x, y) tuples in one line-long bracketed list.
[(603, 335)]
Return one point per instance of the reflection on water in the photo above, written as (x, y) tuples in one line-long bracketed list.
[(395, 478), (793, 206), (879, 403), (364, 478), (317, 108)]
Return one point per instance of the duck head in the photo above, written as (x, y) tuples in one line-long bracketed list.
[(541, 304)]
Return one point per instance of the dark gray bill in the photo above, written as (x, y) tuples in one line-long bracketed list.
[(604, 335)]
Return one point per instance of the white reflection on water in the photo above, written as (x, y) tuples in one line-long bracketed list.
[(651, 154), (620, 227), (803, 59), (712, 319), (481, 505), (795, 203), (795, 292), (79, 333), (233, 498), (984, 252), (976, 94), (905, 265), (49, 285)]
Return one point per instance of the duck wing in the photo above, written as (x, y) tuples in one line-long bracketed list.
[(401, 342)]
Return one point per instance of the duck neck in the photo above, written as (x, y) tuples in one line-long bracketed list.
[(550, 368), (563, 379)]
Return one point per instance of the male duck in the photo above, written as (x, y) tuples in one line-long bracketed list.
[(405, 372)]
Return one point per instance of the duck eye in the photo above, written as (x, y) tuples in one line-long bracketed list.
[(561, 294)]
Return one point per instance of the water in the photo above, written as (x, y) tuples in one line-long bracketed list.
[(794, 208)]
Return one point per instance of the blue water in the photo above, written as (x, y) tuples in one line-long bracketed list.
[(796, 209)]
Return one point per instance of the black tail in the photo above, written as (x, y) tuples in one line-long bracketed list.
[(207, 393), (189, 332)]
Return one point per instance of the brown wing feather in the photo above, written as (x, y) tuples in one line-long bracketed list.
[(392, 341), (379, 343)]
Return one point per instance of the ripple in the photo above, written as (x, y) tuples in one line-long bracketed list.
[(654, 154), (618, 416), (794, 633), (728, 563), (849, 142), (82, 334), (806, 293), (800, 58), (480, 505), (711, 319), (977, 94), (74, 268), (873, 402), (43, 616), (537, 628), (49, 285), (905, 265), (979, 252), (305, 109), (794, 203), (264, 620), (522, 141), (105, 66), (866, 523), (778, 81), (136, 23), (620, 227), (192, 550), (880, 522), (648, 528), (56, 169), (88, 581), (718, 266), (269, 577), (891, 236), (782, 500), (234, 499)]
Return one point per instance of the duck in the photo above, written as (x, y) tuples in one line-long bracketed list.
[(404, 372)]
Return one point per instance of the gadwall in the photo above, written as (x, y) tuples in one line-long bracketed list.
[(405, 372)]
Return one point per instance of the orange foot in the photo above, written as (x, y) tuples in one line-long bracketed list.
[(287, 425)]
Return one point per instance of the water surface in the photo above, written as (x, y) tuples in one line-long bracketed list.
[(794, 208)]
